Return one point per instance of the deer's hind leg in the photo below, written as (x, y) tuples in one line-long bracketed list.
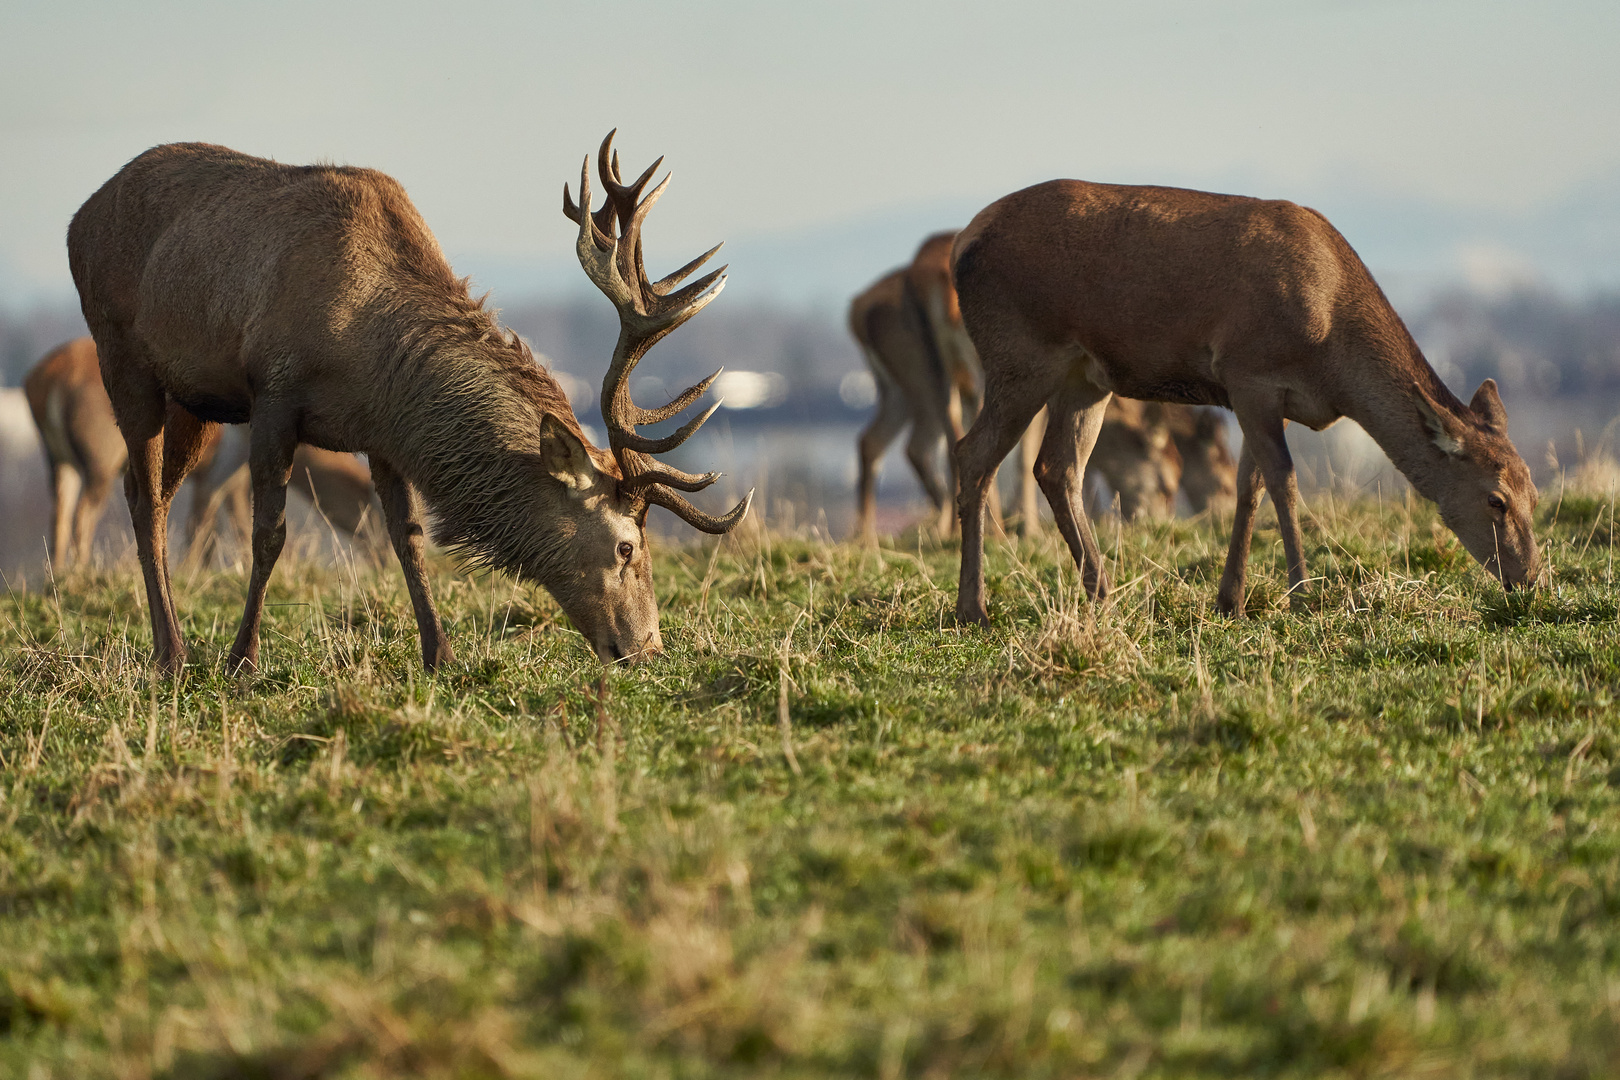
[(1074, 417), (922, 448), (886, 424), (140, 407), (1229, 600), (87, 514)]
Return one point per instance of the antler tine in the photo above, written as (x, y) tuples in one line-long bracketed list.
[(622, 195), (687, 396), (631, 439), (698, 295), (668, 477), (669, 281), (696, 518), (604, 241)]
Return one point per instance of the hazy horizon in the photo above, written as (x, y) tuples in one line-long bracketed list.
[(1449, 140)]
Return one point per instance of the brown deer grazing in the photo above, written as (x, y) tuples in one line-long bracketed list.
[(910, 331), (911, 390), (313, 301), (1073, 291), (84, 455)]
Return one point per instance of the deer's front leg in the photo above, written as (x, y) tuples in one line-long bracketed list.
[(270, 465), (403, 513), (978, 456), (1229, 601), (1267, 445)]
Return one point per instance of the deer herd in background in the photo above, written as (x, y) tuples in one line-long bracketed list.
[(85, 455), (1085, 323)]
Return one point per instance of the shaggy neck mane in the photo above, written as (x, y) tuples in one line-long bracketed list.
[(468, 399)]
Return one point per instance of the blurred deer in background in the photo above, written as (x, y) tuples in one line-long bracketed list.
[(314, 302), (910, 390), (85, 454), (1138, 460), (1074, 291), (1208, 469)]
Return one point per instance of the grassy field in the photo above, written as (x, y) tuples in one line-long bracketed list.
[(830, 834)]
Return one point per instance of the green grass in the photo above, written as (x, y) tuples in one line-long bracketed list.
[(1378, 836)]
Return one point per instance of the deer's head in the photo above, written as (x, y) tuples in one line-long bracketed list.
[(1486, 495), (609, 590)]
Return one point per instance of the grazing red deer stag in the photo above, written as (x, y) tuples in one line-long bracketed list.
[(84, 453), (1073, 291), (313, 301)]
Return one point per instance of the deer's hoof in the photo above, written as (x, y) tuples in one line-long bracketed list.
[(972, 615)]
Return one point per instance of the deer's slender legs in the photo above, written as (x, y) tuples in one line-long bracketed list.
[(890, 418), (65, 488), (1265, 449), (1074, 418), (402, 511), (1009, 406), (1229, 600), (270, 458)]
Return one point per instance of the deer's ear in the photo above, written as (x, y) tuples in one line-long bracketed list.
[(1442, 427), (565, 457), (1488, 404)]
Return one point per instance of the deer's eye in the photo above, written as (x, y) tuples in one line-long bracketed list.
[(1496, 502), (626, 550)]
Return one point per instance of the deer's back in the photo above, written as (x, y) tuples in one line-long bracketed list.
[(1160, 285), (233, 275)]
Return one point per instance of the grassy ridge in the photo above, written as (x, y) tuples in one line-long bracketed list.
[(830, 834)]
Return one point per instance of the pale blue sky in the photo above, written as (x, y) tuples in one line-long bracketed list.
[(790, 121)]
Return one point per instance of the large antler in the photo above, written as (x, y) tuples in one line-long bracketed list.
[(648, 310)]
